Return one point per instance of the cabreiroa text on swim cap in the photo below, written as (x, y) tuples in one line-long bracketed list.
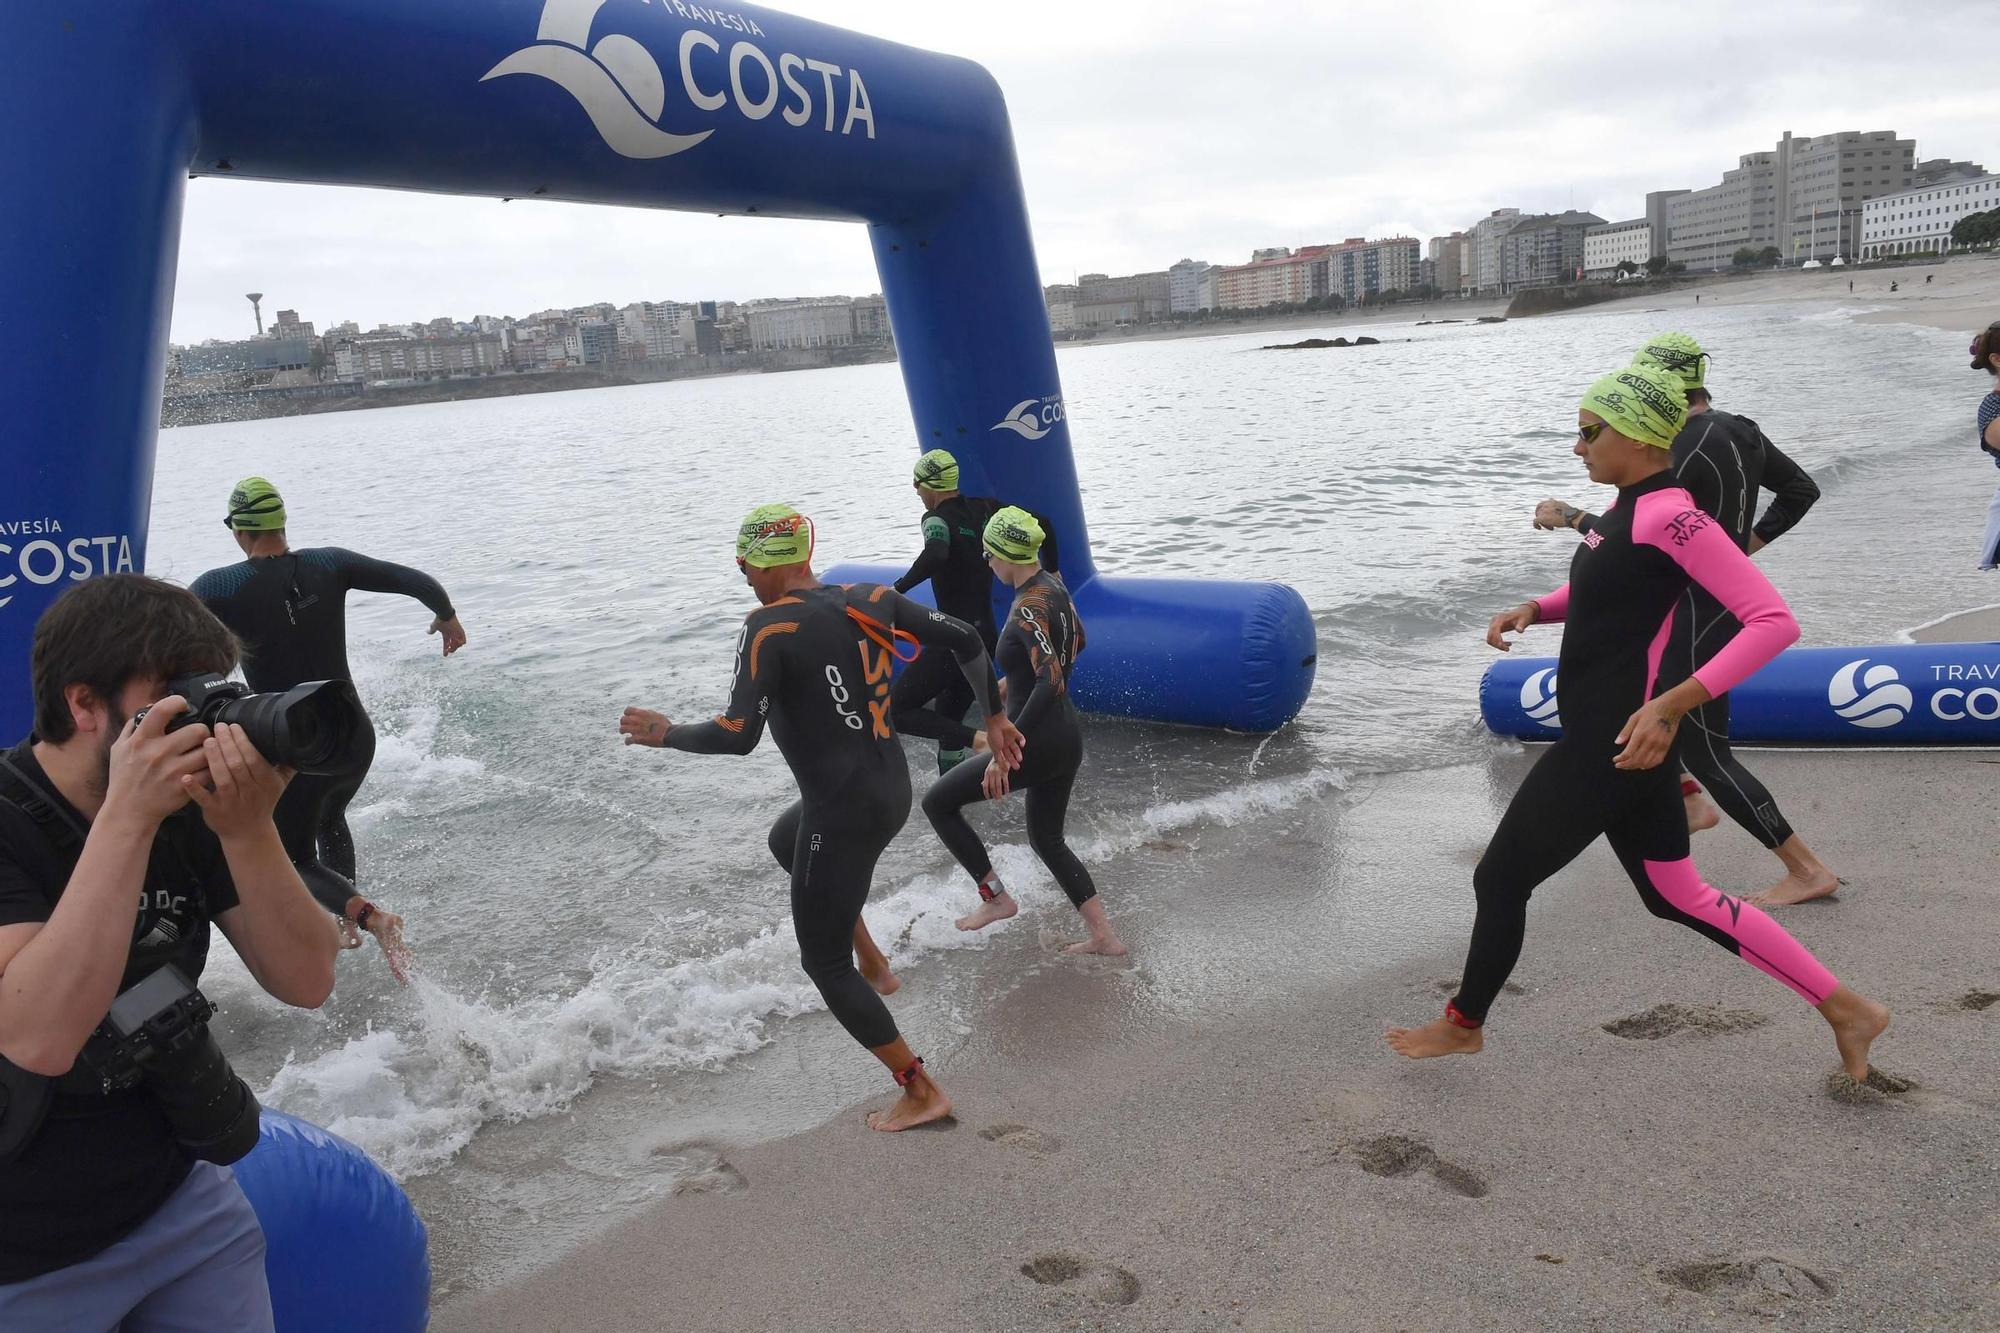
[(1678, 354), (1641, 403), (773, 535)]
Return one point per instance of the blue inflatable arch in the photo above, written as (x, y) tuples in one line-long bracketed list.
[(111, 104)]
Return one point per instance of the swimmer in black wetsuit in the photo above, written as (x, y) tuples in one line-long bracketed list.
[(930, 695), (815, 661), (290, 609), (1037, 652), (1722, 461), (1605, 775)]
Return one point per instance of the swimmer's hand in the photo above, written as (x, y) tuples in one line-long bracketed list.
[(454, 633), (1553, 514), (1647, 736), (995, 784), (1649, 733), (387, 928), (642, 726), (1005, 741), (1515, 621)]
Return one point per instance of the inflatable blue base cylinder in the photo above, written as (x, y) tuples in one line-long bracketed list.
[(1205, 654), (1894, 694), (344, 1250)]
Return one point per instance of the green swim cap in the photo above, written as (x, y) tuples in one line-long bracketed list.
[(937, 471), (774, 535), (1013, 534), (255, 506), (1677, 354), (1641, 403)]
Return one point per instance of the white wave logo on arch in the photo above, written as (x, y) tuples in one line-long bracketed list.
[(1873, 697), (617, 82), (1538, 698)]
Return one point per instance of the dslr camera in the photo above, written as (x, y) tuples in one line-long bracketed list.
[(310, 727)]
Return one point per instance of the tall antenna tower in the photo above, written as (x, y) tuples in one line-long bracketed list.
[(256, 300)]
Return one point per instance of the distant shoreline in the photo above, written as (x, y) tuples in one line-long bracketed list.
[(1967, 297)]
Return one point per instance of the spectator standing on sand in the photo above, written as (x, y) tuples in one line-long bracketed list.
[(1986, 356)]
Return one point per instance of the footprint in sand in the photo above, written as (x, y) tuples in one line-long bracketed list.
[(1396, 1155), (1022, 1139), (1974, 1001), (1664, 1020), (1875, 1090), (1103, 1284), (700, 1169), (1759, 1284)]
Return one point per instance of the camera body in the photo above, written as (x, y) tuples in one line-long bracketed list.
[(311, 727)]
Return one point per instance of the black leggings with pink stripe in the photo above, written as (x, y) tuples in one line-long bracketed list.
[(1572, 795)]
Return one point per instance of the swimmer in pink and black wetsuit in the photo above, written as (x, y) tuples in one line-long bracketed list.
[(1606, 776)]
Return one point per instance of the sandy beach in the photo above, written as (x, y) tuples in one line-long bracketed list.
[(1649, 1140), (1962, 296)]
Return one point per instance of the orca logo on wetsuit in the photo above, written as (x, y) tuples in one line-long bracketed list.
[(837, 686), (1873, 698)]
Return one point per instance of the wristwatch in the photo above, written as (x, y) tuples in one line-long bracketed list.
[(1570, 515)]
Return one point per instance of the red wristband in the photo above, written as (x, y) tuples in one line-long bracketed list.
[(1689, 787)]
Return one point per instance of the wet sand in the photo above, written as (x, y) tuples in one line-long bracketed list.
[(1129, 1157), (1963, 295)]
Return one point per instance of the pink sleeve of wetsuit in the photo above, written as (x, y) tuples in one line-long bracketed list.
[(1553, 606), (1669, 520)]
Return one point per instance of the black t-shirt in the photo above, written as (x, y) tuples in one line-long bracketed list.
[(101, 1165), (291, 610)]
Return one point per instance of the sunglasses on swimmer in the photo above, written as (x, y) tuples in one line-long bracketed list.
[(1588, 434)]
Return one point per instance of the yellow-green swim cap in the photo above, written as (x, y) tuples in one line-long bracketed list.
[(255, 506), (1641, 403), (937, 471), (1678, 355), (1013, 534), (774, 535)]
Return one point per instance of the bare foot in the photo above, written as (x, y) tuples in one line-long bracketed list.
[(882, 979), (921, 1103), (1796, 888), (1107, 944), (1856, 1021), (997, 908), (1701, 813), (1438, 1037)]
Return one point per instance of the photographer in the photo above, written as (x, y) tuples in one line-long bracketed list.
[(113, 1207)]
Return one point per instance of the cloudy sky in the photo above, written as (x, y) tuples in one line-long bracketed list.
[(1153, 131)]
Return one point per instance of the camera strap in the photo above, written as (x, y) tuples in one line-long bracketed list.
[(57, 824)]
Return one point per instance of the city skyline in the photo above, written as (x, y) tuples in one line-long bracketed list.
[(1149, 133)]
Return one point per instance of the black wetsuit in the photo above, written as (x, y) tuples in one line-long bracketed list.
[(930, 696), (821, 678), (1038, 651), (1722, 461), (1625, 579), (291, 613)]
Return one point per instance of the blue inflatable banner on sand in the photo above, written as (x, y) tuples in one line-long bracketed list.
[(343, 1248), (740, 110), (1894, 694)]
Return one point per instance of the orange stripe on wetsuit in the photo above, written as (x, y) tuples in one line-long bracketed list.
[(877, 668)]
